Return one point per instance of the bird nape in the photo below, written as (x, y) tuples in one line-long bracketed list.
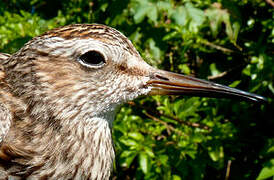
[(59, 93)]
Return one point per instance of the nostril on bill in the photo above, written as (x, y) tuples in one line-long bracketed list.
[(161, 77)]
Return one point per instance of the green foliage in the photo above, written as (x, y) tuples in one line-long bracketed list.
[(230, 42)]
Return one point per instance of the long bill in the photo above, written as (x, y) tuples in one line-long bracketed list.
[(168, 83)]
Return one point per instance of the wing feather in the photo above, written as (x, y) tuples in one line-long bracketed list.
[(4, 56), (5, 121), (5, 115)]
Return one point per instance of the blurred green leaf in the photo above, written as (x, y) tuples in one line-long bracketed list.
[(136, 136), (214, 70), (141, 12), (175, 177), (235, 84), (267, 171), (127, 157), (216, 153), (143, 161)]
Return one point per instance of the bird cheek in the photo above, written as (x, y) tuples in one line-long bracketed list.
[(142, 87), (131, 89)]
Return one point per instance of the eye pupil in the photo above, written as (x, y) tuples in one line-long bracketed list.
[(92, 58)]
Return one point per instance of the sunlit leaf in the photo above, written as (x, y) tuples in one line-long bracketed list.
[(267, 171), (143, 161)]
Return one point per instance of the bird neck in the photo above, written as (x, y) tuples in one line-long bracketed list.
[(89, 149), (86, 145), (76, 147)]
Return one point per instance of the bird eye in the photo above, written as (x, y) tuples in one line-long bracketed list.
[(92, 59)]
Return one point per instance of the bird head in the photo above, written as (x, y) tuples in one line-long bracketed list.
[(94, 68)]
